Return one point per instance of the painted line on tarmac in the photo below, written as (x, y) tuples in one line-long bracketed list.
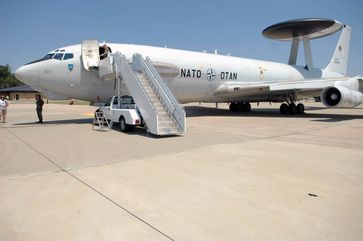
[(89, 186), (89, 114)]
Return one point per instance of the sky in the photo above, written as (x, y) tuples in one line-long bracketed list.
[(30, 29)]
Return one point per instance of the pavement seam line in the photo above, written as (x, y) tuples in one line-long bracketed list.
[(90, 187), (10, 179)]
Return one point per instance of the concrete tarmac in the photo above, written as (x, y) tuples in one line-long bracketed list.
[(232, 176)]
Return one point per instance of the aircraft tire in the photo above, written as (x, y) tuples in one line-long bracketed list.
[(300, 108), (247, 107), (292, 109), (233, 107), (241, 107), (284, 109)]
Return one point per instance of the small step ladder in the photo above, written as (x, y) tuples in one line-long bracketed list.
[(101, 122)]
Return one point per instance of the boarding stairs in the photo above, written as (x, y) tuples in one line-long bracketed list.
[(100, 122), (159, 108)]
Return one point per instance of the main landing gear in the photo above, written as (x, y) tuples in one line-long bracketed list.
[(292, 108), (243, 107)]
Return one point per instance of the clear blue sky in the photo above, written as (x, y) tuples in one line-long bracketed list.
[(29, 29)]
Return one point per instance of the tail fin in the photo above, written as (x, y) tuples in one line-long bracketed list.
[(339, 62)]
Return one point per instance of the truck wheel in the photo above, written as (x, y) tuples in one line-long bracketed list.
[(124, 127)]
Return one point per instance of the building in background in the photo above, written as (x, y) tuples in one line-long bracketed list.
[(21, 92)]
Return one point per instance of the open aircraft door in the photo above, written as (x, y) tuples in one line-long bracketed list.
[(90, 54)]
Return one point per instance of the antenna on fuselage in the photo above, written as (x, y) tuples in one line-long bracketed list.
[(303, 30)]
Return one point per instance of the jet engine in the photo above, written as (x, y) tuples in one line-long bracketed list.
[(341, 97)]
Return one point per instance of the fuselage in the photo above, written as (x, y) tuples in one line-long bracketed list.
[(191, 76)]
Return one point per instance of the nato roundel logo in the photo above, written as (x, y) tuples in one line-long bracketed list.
[(70, 67), (211, 74)]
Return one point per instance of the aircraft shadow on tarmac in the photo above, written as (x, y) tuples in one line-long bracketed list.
[(202, 111), (141, 131), (137, 130), (198, 111), (57, 122)]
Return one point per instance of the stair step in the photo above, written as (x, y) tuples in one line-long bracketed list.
[(151, 94), (159, 105), (162, 113), (154, 99), (169, 131), (166, 121), (166, 125)]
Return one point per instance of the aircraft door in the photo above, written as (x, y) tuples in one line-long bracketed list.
[(90, 54)]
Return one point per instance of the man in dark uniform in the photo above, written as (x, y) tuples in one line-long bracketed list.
[(39, 102)]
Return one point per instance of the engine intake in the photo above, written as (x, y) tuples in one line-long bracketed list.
[(341, 97)]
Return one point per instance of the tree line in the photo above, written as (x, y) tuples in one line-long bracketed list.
[(7, 79)]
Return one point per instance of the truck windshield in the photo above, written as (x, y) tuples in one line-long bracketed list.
[(108, 102), (127, 100)]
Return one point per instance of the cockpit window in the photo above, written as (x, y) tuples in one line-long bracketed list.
[(58, 56), (68, 56), (48, 56)]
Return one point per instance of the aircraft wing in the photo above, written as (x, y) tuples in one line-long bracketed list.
[(312, 84), (274, 91)]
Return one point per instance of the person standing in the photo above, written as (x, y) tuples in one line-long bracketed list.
[(39, 102), (3, 109), (105, 52)]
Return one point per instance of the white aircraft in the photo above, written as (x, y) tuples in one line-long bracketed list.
[(78, 72)]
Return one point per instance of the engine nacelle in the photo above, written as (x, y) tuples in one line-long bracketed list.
[(341, 97)]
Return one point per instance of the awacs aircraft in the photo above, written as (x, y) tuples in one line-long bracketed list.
[(88, 71)]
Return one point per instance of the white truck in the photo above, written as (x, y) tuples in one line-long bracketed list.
[(122, 110)]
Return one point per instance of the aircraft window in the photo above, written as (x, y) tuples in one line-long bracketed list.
[(48, 56), (56, 50), (68, 56), (58, 56), (62, 50)]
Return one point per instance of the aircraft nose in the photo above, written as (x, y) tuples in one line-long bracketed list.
[(28, 74)]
